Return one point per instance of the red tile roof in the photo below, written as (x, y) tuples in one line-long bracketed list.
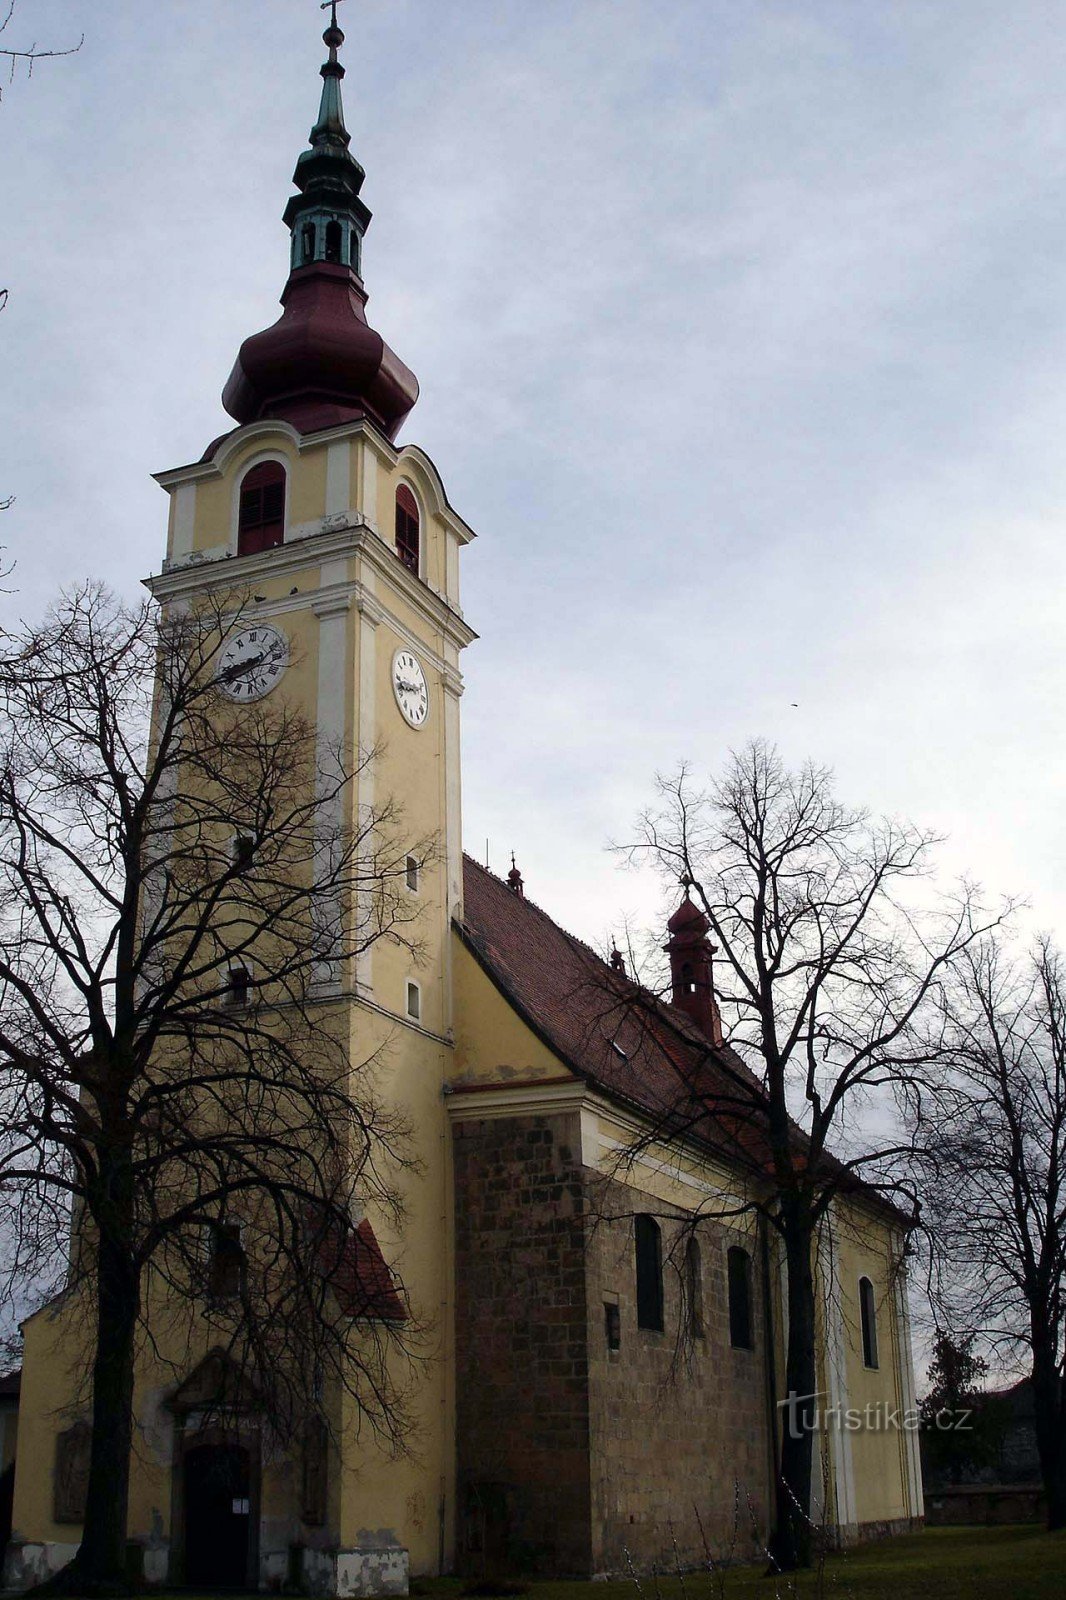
[(359, 1275), (619, 1037), (616, 1035)]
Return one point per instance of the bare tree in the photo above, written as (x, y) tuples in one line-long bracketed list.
[(993, 1160), (186, 886), (831, 949), (31, 53)]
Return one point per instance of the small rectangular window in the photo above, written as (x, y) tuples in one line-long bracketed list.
[(412, 874), (238, 981), (414, 1001), (612, 1323), (243, 851), (225, 1269)]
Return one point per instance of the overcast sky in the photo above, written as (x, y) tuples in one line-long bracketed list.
[(741, 332)]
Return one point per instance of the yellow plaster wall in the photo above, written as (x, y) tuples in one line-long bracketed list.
[(492, 1043)]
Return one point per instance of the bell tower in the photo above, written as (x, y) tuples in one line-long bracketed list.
[(345, 550)]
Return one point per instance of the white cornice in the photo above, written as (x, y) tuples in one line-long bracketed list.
[(494, 1101), (287, 560)]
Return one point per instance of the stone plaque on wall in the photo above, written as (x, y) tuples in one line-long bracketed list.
[(71, 1482)]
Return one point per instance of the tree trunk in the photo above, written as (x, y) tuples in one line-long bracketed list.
[(1050, 1407), (100, 1565), (790, 1545)]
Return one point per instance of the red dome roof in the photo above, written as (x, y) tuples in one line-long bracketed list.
[(689, 919), (321, 363)]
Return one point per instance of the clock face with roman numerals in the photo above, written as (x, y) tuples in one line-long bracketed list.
[(409, 687), (251, 663)]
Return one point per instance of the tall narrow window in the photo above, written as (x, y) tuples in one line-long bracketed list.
[(407, 528), (414, 1001), (308, 242), (412, 874), (649, 1248), (694, 1287), (261, 519), (738, 1272), (868, 1315), (225, 1269), (334, 238)]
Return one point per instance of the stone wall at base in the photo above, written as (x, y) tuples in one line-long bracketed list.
[(522, 1361), (679, 1419), (574, 1458)]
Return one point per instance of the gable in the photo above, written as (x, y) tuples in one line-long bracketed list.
[(493, 1042)]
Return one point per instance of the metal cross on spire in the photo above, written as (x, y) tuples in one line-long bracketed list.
[(331, 7)]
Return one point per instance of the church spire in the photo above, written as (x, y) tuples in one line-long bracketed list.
[(321, 364), (330, 124)]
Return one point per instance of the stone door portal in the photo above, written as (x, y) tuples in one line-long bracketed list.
[(217, 1516)]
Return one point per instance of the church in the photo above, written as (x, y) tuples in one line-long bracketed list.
[(604, 1389)]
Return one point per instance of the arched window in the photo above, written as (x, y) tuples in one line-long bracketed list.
[(868, 1315), (334, 239), (688, 982), (407, 528), (694, 1287), (649, 1273), (308, 242), (738, 1271), (261, 519)]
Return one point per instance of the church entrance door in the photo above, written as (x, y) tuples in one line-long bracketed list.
[(217, 1516)]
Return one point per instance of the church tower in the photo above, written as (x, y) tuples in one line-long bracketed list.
[(349, 547)]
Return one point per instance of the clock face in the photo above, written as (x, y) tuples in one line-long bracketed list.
[(409, 687), (251, 662)]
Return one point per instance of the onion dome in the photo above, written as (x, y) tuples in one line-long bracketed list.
[(688, 919), (321, 363)]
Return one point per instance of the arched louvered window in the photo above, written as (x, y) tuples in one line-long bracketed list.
[(649, 1248), (261, 519), (334, 241), (868, 1315), (738, 1272), (407, 528)]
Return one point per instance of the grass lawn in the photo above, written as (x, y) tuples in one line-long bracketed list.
[(1016, 1563)]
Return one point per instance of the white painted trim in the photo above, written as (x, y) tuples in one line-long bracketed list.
[(905, 1357), (184, 521), (525, 1099), (836, 1377), (288, 560), (338, 477), (366, 738), (368, 483), (331, 726)]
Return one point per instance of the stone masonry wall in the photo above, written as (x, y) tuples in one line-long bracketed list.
[(573, 1458), (521, 1344), (677, 1421)]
